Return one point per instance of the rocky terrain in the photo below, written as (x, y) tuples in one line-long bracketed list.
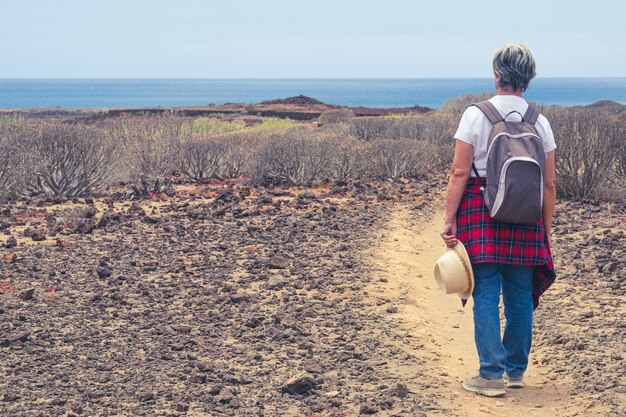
[(226, 299)]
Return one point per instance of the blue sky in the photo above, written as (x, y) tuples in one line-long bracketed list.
[(312, 39)]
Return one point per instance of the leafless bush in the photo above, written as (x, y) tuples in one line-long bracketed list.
[(239, 148), (293, 156), (200, 158), (590, 142), (404, 127), (8, 159), (152, 143), (60, 159), (369, 128), (349, 157), (335, 116), (400, 158), (439, 127)]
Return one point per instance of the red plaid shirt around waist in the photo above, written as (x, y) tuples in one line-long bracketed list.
[(490, 240)]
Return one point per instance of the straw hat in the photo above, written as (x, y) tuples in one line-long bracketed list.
[(453, 272)]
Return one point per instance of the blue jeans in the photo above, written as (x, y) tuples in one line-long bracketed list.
[(509, 353)]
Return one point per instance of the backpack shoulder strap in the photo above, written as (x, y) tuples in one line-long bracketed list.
[(531, 115), (490, 111)]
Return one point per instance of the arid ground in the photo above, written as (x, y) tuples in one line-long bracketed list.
[(231, 300)]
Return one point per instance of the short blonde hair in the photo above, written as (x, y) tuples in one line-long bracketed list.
[(514, 65)]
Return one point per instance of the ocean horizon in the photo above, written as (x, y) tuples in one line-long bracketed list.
[(91, 93)]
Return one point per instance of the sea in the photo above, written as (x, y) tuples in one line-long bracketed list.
[(381, 93)]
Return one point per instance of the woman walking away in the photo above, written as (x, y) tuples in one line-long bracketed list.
[(499, 204)]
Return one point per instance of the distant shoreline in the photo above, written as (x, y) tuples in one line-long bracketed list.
[(431, 93)]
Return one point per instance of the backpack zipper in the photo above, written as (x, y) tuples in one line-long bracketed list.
[(499, 135)]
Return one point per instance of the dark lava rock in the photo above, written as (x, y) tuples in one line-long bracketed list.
[(182, 407), (402, 391), (239, 297), (146, 396), (609, 267), (299, 384), (85, 227), (26, 295), (278, 262), (368, 408), (275, 282), (103, 272), (205, 366), (11, 242), (392, 309), (225, 396), (215, 389), (36, 235)]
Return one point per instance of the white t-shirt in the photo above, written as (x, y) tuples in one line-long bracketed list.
[(474, 127)]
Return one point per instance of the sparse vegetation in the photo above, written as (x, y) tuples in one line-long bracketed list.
[(48, 157)]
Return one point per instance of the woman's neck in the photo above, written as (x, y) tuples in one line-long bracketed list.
[(508, 91)]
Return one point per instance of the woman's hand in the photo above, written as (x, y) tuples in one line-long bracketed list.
[(448, 234)]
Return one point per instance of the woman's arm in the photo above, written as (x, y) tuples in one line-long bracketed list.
[(461, 168), (549, 192)]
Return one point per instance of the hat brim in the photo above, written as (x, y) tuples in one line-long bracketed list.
[(463, 252)]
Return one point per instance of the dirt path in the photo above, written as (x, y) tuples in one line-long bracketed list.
[(441, 331)]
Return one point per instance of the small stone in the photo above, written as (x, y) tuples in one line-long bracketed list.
[(392, 309), (239, 297), (401, 390), (609, 267), (103, 272), (11, 242), (275, 282), (368, 408), (35, 234), (299, 384), (146, 396), (9, 257), (27, 295), (278, 262), (205, 366), (225, 396), (182, 407), (19, 337), (59, 401), (313, 367)]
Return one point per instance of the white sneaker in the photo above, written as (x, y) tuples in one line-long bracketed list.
[(514, 382), (488, 387)]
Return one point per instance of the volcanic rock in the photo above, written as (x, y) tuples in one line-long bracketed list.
[(299, 384), (278, 262), (11, 242), (103, 272), (26, 295)]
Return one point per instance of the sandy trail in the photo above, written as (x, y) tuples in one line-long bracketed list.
[(440, 331)]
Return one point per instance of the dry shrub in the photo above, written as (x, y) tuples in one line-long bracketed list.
[(590, 142), (238, 151), (349, 157), (400, 158), (404, 127), (55, 158), (200, 158), (8, 157), (294, 156), (439, 127), (369, 128), (151, 144), (334, 116)]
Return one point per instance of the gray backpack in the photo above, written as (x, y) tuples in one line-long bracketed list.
[(515, 166)]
